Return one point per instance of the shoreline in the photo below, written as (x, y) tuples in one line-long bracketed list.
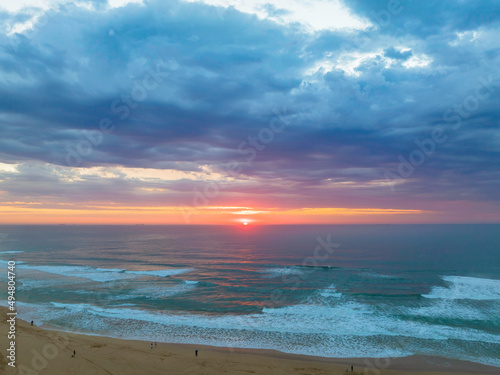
[(47, 351)]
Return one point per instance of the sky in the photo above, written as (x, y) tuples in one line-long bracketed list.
[(264, 112)]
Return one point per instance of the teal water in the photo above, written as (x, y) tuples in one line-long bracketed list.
[(371, 291)]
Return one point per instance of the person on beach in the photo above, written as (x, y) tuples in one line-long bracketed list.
[(32, 322), (352, 368), (74, 353), (196, 353), (151, 346)]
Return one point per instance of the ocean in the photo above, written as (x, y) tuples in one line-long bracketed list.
[(329, 290)]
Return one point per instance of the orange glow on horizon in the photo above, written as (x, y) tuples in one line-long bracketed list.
[(111, 214)]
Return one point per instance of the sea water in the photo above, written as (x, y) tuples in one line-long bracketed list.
[(331, 291)]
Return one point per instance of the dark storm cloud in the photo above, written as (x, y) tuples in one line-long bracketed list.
[(223, 78)]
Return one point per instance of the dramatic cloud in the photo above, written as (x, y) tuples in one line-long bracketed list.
[(281, 105)]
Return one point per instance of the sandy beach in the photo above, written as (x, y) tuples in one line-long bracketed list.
[(45, 351)]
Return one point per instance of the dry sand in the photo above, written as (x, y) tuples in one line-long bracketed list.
[(43, 351)]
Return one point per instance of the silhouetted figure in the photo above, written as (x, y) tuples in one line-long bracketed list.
[(352, 368), (74, 353), (32, 322), (196, 353), (151, 346)]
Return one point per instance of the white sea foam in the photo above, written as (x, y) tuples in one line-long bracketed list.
[(95, 274), (348, 329), (329, 292), (281, 271), (463, 287), (452, 310), (347, 319), (46, 283), (160, 273), (82, 307), (10, 252), (102, 274)]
